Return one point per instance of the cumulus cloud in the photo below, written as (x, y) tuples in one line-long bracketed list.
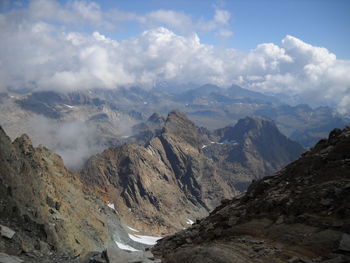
[(38, 54)]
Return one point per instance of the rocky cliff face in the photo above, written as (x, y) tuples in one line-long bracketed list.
[(300, 214), (45, 205), (256, 144), (162, 186), (186, 168), (145, 131)]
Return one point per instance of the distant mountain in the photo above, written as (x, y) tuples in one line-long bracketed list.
[(111, 117), (258, 145), (144, 131), (300, 214), (304, 124)]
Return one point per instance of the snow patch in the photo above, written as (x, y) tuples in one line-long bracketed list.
[(147, 240), (110, 205), (69, 106), (189, 221), (133, 229), (126, 247), (204, 146), (216, 142)]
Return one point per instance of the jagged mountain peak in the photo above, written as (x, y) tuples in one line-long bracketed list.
[(258, 145), (177, 124), (247, 126)]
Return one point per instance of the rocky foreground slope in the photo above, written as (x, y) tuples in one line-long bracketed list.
[(44, 214), (300, 214)]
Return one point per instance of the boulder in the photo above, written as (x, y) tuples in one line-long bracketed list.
[(7, 232)]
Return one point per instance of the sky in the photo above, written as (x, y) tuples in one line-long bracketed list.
[(295, 47)]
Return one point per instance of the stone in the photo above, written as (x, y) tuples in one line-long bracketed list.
[(7, 232), (27, 246), (280, 220), (4, 258), (345, 243)]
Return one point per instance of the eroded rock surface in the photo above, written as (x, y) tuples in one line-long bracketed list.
[(44, 212), (159, 187), (300, 214)]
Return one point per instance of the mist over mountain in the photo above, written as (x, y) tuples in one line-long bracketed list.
[(79, 124)]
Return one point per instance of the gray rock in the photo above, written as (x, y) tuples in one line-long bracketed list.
[(4, 258), (7, 232), (121, 256), (280, 220), (345, 242)]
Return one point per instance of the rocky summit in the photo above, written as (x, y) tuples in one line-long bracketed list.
[(187, 168), (163, 186), (300, 214), (258, 146)]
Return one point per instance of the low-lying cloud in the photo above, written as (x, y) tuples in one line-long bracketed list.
[(75, 141), (36, 53)]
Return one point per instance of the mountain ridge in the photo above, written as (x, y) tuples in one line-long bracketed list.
[(299, 214), (174, 161)]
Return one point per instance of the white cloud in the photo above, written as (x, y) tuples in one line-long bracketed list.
[(168, 18), (219, 22), (225, 33), (37, 54), (222, 16), (72, 13)]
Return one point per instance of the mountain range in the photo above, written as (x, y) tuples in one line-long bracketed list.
[(131, 185), (139, 170), (111, 114), (177, 169)]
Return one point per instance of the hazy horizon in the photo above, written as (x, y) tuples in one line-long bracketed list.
[(80, 45)]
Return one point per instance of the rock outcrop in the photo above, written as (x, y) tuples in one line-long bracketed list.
[(300, 214), (181, 167), (255, 145), (145, 131), (163, 186), (44, 204)]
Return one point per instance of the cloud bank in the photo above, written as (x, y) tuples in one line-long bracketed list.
[(75, 141), (42, 48)]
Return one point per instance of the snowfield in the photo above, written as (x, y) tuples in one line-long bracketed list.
[(126, 247), (189, 221), (147, 240)]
